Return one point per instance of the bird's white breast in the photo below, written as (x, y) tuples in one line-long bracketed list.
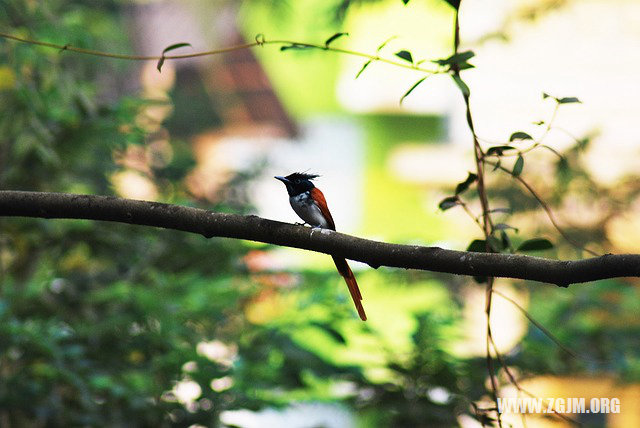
[(307, 210)]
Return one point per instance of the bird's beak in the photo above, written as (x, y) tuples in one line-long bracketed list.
[(283, 179)]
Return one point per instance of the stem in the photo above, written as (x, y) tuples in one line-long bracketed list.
[(218, 51), (540, 327), (487, 224), (544, 206), (515, 383)]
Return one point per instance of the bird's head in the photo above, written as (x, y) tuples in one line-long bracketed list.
[(298, 182)]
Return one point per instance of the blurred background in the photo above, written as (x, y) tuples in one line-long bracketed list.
[(114, 325)]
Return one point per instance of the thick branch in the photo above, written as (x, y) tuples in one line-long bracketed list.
[(374, 253)]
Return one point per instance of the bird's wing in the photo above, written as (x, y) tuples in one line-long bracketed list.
[(319, 199)]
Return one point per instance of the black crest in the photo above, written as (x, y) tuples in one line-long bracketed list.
[(301, 176)]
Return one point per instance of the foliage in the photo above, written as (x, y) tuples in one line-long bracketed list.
[(97, 320), (598, 323)]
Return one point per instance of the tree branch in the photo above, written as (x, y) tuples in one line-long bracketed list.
[(373, 253)]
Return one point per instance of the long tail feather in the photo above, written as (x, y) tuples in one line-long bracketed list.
[(350, 279)]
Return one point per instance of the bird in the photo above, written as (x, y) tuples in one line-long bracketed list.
[(311, 206)]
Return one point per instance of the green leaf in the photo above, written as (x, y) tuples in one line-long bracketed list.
[(506, 242), (398, 368), (405, 2), (385, 43), (495, 244), (327, 328), (465, 66), (504, 226), (366, 64), (498, 150), (334, 38), (175, 46), (461, 187), (583, 143), (520, 136), (463, 86), (295, 46), (478, 246), (568, 100), (405, 55), (501, 210), (454, 3), (459, 58), (517, 167), (415, 85), (563, 164), (167, 49), (448, 202), (536, 244), (563, 100)]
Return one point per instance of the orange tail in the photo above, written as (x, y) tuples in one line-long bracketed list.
[(347, 274)]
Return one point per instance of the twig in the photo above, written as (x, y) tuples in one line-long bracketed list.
[(259, 42), (542, 328), (544, 206), (466, 209), (515, 383)]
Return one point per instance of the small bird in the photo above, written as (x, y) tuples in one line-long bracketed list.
[(311, 206)]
